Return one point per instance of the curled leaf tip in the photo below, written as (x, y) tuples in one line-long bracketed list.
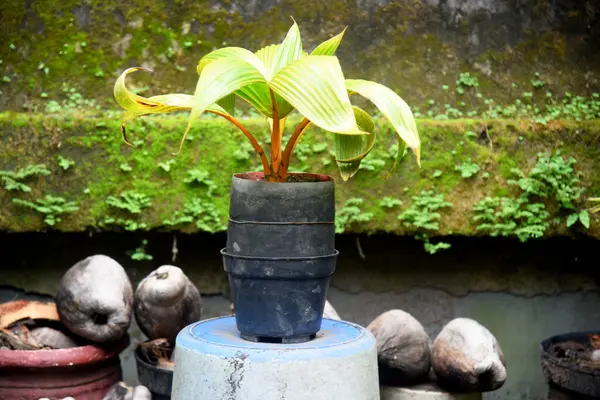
[(417, 152), (133, 69), (124, 133), (187, 130)]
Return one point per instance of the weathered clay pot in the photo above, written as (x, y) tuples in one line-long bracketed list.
[(85, 372)]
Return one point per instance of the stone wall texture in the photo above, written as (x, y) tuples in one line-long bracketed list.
[(413, 46)]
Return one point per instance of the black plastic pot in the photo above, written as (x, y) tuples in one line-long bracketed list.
[(157, 380), (280, 254)]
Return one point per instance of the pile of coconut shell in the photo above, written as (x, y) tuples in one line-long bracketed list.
[(465, 356), (93, 306)]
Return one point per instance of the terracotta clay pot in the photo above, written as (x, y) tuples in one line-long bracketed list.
[(85, 372)]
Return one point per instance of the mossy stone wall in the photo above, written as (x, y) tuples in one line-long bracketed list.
[(196, 182), (413, 46)]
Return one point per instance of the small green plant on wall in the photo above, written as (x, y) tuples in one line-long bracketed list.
[(505, 216), (64, 163), (132, 203), (554, 178), (14, 180), (423, 216), (390, 202), (467, 169), (51, 207), (553, 182), (140, 254), (275, 81), (350, 213), (200, 177), (202, 212)]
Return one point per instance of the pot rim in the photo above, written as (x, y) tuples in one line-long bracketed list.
[(71, 357), (149, 366), (226, 254), (257, 176)]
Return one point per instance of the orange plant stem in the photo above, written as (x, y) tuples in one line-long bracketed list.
[(275, 140), (291, 145), (255, 144)]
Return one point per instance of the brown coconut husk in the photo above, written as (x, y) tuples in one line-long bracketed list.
[(166, 301), (403, 348), (95, 299), (122, 391), (467, 358)]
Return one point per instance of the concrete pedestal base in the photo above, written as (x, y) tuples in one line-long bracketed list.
[(212, 362), (427, 391)]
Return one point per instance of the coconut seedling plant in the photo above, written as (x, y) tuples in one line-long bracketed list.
[(281, 224)]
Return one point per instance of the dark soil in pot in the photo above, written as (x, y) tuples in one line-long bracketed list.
[(569, 362), (280, 254)]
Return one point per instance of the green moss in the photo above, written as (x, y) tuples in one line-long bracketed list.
[(86, 45), (95, 144)]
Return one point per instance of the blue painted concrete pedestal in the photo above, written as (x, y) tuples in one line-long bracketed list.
[(213, 362)]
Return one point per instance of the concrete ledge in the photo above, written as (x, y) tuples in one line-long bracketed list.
[(190, 192)]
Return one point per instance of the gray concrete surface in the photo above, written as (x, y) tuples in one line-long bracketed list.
[(340, 366)]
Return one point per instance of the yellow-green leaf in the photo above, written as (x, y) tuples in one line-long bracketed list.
[(267, 55), (289, 51), (228, 103), (257, 95), (232, 53), (328, 47), (218, 79), (351, 149), (314, 85), (136, 106), (594, 209), (393, 107)]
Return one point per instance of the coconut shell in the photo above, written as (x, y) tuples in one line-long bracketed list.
[(95, 299), (121, 391), (403, 348), (53, 338), (166, 301), (467, 358), (330, 312), (141, 393)]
